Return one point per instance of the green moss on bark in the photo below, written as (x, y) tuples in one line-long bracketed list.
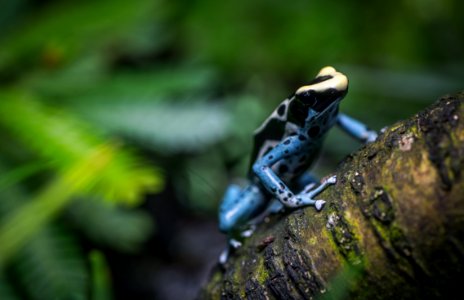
[(393, 227)]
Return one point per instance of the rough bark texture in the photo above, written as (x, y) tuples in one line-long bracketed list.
[(392, 228)]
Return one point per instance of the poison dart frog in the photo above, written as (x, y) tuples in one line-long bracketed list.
[(285, 146)]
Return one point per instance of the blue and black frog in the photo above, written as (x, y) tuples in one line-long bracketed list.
[(285, 146)]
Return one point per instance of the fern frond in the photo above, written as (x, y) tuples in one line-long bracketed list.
[(66, 142), (20, 225), (52, 266), (84, 162)]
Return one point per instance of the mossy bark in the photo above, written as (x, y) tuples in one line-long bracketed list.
[(393, 226)]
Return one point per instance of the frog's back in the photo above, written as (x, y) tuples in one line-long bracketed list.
[(288, 119), (270, 133), (321, 96)]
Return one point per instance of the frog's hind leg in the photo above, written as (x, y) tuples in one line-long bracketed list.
[(232, 192), (239, 206)]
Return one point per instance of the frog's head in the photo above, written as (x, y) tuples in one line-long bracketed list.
[(328, 87)]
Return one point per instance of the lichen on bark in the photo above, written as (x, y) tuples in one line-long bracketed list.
[(393, 226)]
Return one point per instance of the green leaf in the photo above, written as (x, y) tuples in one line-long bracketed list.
[(101, 282), (340, 285), (164, 127), (203, 182), (86, 81)]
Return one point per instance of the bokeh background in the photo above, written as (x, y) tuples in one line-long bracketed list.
[(121, 122)]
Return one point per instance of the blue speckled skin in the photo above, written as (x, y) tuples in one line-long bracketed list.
[(285, 146)]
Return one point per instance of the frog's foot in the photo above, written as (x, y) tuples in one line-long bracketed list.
[(307, 197), (331, 180), (249, 232), (319, 204), (224, 256), (325, 183), (233, 244), (304, 200), (371, 136)]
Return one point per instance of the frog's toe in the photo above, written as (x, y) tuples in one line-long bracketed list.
[(249, 232), (224, 257), (332, 179), (235, 244), (319, 205), (372, 137)]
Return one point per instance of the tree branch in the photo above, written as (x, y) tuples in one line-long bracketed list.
[(393, 226)]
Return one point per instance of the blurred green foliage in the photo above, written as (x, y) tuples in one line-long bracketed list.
[(97, 96)]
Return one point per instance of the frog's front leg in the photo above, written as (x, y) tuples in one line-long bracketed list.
[(356, 129), (232, 244), (263, 170)]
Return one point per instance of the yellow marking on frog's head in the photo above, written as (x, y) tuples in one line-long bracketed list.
[(326, 71), (329, 79), (328, 86)]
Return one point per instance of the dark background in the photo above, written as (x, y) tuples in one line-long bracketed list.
[(121, 122)]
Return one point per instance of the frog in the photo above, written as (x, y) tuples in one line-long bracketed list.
[(285, 147)]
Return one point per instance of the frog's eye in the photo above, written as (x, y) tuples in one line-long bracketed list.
[(327, 87), (308, 97)]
